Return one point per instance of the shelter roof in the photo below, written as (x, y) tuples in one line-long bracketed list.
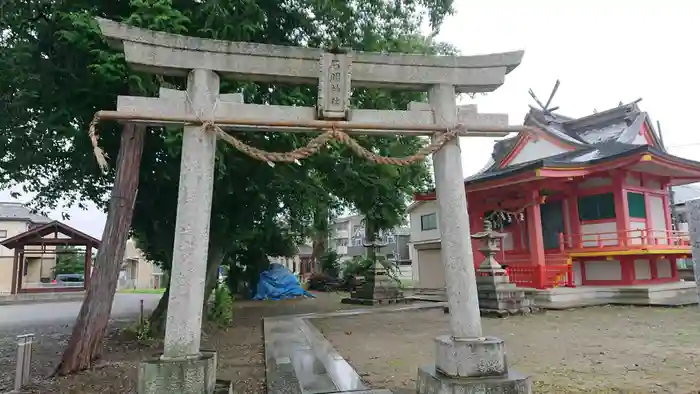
[(36, 236)]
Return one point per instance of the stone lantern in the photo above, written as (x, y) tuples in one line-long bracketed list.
[(497, 295), (378, 287), (490, 239)]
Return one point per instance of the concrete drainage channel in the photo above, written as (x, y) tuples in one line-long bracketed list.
[(300, 360)]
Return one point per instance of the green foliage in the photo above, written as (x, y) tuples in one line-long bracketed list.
[(221, 307), (58, 71), (360, 266), (330, 263), (69, 260), (356, 267), (141, 331)]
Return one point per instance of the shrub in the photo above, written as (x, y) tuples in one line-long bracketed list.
[(330, 264), (319, 281), (221, 307), (360, 266)]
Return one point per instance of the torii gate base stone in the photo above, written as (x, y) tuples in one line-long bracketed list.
[(467, 361)]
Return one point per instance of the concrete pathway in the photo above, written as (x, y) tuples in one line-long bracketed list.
[(125, 305), (300, 360)]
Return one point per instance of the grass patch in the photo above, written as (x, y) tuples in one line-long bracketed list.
[(143, 291)]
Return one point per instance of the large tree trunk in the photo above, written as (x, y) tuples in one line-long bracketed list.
[(370, 239), (85, 345), (214, 260), (156, 323), (320, 234)]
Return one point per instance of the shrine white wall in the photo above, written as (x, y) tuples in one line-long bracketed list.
[(603, 270), (536, 149), (642, 269), (590, 234), (663, 268)]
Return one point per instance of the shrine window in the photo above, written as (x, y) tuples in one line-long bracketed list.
[(596, 207), (428, 222), (3, 234), (636, 205)]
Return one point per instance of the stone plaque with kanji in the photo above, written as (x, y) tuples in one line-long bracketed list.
[(334, 86)]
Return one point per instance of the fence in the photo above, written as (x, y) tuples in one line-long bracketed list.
[(553, 276), (627, 238)]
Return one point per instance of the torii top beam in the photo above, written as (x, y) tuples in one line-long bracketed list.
[(173, 54)]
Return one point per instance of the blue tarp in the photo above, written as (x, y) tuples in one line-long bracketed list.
[(277, 283)]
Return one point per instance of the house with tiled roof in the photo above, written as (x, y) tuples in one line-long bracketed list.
[(582, 201)]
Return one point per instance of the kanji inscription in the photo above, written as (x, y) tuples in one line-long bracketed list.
[(334, 86)]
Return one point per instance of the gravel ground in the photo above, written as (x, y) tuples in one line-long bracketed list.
[(591, 350), (240, 351)]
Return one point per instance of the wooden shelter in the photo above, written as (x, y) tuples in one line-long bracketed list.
[(42, 241)]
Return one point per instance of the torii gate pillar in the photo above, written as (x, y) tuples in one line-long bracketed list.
[(466, 360)]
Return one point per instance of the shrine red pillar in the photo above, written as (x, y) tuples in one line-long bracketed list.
[(653, 270), (622, 212), (573, 239), (668, 220), (535, 241), (674, 267), (627, 272)]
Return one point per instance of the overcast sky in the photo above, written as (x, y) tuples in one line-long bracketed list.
[(603, 52)]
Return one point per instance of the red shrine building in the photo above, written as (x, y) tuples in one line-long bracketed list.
[(583, 202)]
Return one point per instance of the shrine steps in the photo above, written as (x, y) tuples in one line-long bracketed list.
[(668, 294)]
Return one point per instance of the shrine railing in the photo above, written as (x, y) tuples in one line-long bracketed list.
[(554, 276), (625, 239)]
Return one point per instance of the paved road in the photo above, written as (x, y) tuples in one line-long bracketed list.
[(63, 312)]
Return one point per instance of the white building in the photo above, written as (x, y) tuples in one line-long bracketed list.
[(424, 246), (347, 238)]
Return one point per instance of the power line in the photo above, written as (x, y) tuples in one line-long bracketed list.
[(684, 145)]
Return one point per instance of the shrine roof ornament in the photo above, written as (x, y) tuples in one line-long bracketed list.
[(173, 54)]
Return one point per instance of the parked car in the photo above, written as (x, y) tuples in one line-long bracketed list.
[(69, 280)]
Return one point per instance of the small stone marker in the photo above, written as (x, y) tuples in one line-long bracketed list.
[(24, 360)]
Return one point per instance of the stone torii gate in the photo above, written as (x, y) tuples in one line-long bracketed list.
[(183, 368)]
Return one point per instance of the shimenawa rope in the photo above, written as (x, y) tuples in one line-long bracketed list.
[(311, 148)]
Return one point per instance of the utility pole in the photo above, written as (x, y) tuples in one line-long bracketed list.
[(671, 194)]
